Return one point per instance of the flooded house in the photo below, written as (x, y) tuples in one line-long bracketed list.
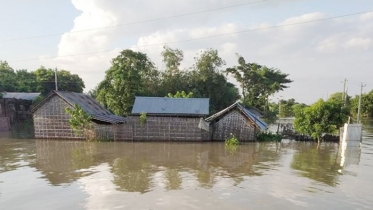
[(169, 119), (15, 107), (236, 120), (52, 122)]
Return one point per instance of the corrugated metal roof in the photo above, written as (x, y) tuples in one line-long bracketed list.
[(18, 95), (261, 124), (171, 106), (88, 104)]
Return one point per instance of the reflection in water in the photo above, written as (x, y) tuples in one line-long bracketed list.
[(61, 161), (132, 175), (319, 164), (173, 178), (133, 165), (119, 174)]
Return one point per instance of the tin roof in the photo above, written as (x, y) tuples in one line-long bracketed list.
[(258, 122), (171, 106), (18, 95), (88, 104)]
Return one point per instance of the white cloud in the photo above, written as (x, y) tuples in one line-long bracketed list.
[(304, 51), (367, 16), (359, 43)]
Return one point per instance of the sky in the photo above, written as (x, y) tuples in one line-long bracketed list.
[(83, 36)]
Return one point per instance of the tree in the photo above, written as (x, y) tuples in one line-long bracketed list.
[(172, 78), (320, 118), (26, 81), (208, 81), (366, 104), (8, 79), (181, 94), (66, 81), (172, 59), (80, 121), (258, 82), (131, 74)]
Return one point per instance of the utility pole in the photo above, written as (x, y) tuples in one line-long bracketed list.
[(55, 79), (344, 91), (358, 110)]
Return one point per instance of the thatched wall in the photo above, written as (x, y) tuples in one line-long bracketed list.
[(236, 123), (52, 122), (160, 128)]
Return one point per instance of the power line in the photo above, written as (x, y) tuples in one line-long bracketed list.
[(138, 22), (205, 37)]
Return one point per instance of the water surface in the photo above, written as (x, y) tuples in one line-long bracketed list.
[(46, 174)]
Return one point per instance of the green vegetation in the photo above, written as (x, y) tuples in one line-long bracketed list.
[(268, 136), (288, 108), (40, 80), (132, 73), (366, 105), (258, 83), (181, 94), (80, 122), (321, 118), (232, 141), (142, 118)]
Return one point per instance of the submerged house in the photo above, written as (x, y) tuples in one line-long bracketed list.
[(52, 122), (236, 120), (169, 119), (15, 107)]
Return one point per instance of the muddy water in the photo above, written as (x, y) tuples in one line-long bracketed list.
[(40, 174)]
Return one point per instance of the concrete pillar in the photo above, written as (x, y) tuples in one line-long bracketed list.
[(352, 135)]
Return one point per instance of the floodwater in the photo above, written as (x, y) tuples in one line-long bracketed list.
[(41, 174)]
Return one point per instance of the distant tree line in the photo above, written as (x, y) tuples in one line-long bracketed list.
[(134, 74), (41, 80)]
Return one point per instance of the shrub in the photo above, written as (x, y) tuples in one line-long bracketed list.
[(268, 136), (232, 141), (142, 118)]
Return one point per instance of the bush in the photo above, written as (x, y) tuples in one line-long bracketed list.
[(142, 118), (268, 136), (232, 141)]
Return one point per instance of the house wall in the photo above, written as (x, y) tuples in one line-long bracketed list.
[(162, 129), (52, 122), (16, 110), (236, 123)]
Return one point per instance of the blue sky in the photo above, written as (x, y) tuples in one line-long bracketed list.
[(317, 56)]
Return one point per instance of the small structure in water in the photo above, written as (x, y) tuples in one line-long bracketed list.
[(236, 120), (52, 122), (15, 107), (169, 119)]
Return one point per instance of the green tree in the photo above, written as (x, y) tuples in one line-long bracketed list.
[(208, 81), (26, 81), (258, 82), (181, 94), (131, 74), (366, 104), (8, 78), (173, 79), (80, 121), (66, 81), (320, 118)]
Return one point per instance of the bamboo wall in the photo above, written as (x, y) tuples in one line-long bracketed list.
[(235, 123), (52, 122), (161, 129)]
